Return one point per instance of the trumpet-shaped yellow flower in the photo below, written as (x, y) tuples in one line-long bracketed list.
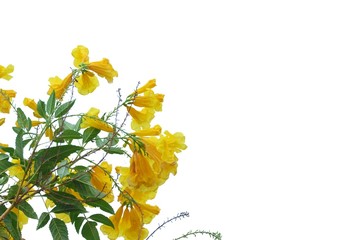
[(5, 72), (104, 69), (149, 100), (59, 86), (6, 97), (170, 144), (142, 175), (141, 119), (2, 121), (91, 119), (86, 83), (81, 55), (127, 224), (28, 102), (154, 131), (149, 85), (101, 180)]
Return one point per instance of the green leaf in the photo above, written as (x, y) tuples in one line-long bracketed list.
[(27, 209), (64, 108), (90, 232), (4, 157), (50, 104), (8, 150), (43, 220), (78, 223), (41, 109), (47, 159), (63, 168), (114, 150), (89, 134), (69, 135), (21, 118), (65, 202), (58, 229), (102, 219), (12, 191), (65, 208), (102, 204), (5, 165), (19, 146), (4, 178), (12, 225)]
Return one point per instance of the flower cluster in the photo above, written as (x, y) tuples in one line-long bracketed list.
[(66, 158)]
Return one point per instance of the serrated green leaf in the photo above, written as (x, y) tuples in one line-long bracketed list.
[(66, 201), (40, 106), (65, 208), (28, 124), (102, 204), (43, 220), (27, 209), (11, 224), (89, 134), (47, 159), (78, 222), (64, 108), (50, 104), (102, 219), (90, 232), (58, 229), (21, 118)]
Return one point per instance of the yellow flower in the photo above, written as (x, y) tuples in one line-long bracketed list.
[(154, 131), (33, 123), (101, 180), (170, 144), (5, 100), (150, 84), (91, 119), (4, 72), (63, 216), (16, 170), (81, 55), (141, 119), (2, 121), (21, 217), (49, 133), (149, 100), (59, 86), (104, 69), (28, 102), (127, 224), (141, 174), (86, 83)]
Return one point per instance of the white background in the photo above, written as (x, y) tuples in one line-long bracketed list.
[(266, 92)]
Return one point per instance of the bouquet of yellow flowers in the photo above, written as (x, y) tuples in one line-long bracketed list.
[(60, 156)]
